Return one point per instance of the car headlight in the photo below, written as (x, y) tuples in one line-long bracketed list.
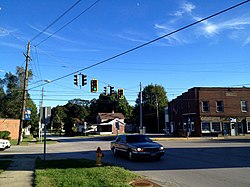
[(139, 149), (161, 148)]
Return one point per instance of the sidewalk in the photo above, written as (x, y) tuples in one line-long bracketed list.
[(20, 173), (156, 137)]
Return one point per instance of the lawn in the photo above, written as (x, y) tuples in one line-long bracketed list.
[(29, 140), (80, 172)]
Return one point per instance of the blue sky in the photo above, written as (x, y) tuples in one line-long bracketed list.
[(214, 53)]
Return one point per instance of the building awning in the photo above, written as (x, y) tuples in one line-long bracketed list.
[(223, 119), (211, 119)]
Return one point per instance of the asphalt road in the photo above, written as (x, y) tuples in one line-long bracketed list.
[(186, 163)]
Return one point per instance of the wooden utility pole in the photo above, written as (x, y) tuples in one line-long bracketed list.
[(25, 86)]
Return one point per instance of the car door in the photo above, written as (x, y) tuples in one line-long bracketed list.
[(118, 144), (123, 145)]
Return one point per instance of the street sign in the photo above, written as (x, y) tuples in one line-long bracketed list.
[(27, 114), (46, 113)]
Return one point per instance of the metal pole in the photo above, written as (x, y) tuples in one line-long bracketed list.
[(25, 86), (157, 113), (140, 106), (44, 150), (40, 122)]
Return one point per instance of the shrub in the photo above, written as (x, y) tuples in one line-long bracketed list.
[(4, 134)]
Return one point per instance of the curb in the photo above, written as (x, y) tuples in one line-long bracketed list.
[(200, 138)]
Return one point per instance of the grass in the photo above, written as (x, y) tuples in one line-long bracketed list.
[(80, 172), (28, 140), (4, 164)]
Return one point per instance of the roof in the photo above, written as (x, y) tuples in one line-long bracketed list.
[(111, 115), (200, 89)]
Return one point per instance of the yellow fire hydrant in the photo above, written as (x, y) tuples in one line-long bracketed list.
[(99, 156)]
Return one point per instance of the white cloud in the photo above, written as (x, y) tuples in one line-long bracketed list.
[(132, 36), (231, 25), (49, 34), (236, 28), (79, 50), (247, 41), (172, 39), (186, 7), (16, 46), (4, 32)]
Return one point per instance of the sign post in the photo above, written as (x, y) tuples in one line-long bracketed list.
[(45, 120)]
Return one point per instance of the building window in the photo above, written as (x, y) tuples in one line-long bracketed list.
[(205, 106), (244, 107), (192, 126), (205, 127), (226, 128), (184, 126), (219, 106), (216, 127), (248, 126)]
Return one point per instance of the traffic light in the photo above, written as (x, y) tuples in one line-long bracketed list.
[(120, 93), (84, 80), (105, 90), (111, 90), (94, 85), (76, 80)]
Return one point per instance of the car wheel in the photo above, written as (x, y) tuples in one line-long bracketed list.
[(114, 151), (130, 155)]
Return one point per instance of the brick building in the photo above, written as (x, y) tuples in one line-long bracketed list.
[(210, 111), (11, 125)]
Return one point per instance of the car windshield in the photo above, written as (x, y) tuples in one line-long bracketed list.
[(137, 138)]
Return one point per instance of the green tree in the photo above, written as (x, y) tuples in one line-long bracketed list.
[(58, 117), (154, 98), (107, 104), (67, 116), (11, 90)]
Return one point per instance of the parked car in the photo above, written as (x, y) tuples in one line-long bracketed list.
[(4, 144), (136, 146)]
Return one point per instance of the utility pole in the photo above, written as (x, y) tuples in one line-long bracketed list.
[(25, 86), (140, 107)]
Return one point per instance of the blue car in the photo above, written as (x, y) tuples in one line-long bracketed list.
[(136, 146)]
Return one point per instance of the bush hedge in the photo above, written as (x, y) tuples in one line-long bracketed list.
[(4, 134)]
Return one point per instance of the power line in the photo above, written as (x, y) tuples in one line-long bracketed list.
[(147, 43), (68, 23), (56, 20)]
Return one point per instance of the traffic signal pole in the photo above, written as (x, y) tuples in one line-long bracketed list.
[(25, 85)]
